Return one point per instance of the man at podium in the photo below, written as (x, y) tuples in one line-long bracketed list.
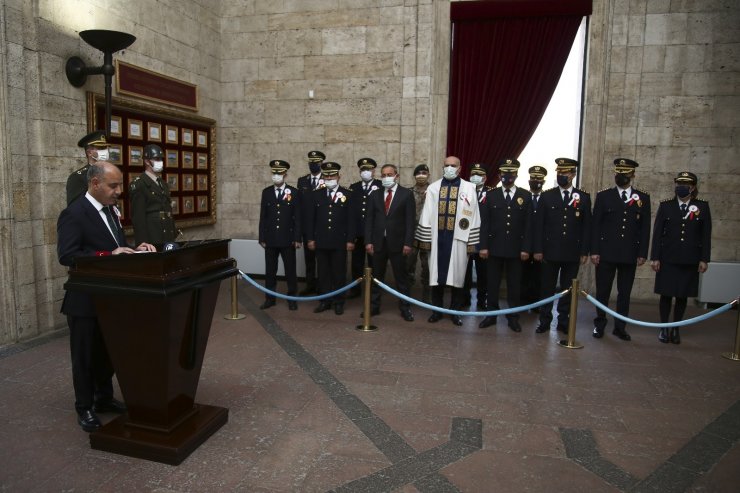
[(89, 226)]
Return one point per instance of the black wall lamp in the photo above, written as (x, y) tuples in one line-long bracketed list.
[(108, 42)]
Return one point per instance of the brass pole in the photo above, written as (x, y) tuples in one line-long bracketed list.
[(571, 342), (735, 356), (367, 282), (234, 315)]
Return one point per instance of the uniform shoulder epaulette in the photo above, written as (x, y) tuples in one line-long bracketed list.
[(604, 189), (582, 190), (668, 199), (641, 191), (547, 190), (134, 182), (700, 200), (489, 188), (82, 170)]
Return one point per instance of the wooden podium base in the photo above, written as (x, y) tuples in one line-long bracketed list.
[(170, 448)]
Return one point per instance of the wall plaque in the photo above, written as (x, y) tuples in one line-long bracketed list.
[(142, 83)]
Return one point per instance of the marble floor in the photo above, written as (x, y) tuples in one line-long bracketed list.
[(316, 405)]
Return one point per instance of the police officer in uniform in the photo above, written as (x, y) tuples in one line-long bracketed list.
[(280, 231), (620, 232), (531, 269), (682, 244), (561, 237), (361, 191), (96, 149), (330, 234), (307, 184), (150, 201), (505, 240), (478, 175)]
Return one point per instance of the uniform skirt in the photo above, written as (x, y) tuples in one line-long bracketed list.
[(679, 280)]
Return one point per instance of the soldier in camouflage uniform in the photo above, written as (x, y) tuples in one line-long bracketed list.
[(421, 176)]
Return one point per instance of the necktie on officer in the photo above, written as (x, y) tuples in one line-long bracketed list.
[(112, 224), (684, 207), (388, 199), (508, 196), (624, 195), (313, 183), (159, 182), (566, 197), (535, 199)]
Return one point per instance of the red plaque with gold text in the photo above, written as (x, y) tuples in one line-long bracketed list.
[(143, 83)]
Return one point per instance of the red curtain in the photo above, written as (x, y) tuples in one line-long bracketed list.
[(504, 71)]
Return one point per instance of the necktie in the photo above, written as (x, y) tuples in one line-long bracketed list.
[(624, 195), (683, 209), (536, 199), (331, 196), (566, 197), (279, 193), (313, 183), (388, 199), (508, 196), (159, 182), (112, 224)]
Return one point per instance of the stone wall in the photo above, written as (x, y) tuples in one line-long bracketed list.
[(662, 87)]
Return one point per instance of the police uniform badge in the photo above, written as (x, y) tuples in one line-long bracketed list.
[(520, 201)]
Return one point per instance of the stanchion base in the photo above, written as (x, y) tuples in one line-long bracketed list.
[(368, 328), (575, 345), (238, 316), (732, 356)]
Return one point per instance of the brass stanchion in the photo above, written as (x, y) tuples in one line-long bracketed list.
[(234, 315), (571, 342), (367, 282), (735, 356)]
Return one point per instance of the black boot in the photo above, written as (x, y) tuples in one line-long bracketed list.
[(675, 336), (663, 336)]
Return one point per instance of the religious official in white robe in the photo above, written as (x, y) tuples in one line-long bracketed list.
[(449, 227)]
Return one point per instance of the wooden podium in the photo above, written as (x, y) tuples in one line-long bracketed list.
[(155, 312)]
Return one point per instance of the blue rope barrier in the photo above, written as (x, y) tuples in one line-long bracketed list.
[(680, 323), (504, 311), (299, 298)]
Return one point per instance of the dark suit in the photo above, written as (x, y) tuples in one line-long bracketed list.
[(562, 233), (360, 204), (480, 265), (531, 269), (389, 233), (309, 256), (620, 233), (279, 228), (505, 233), (81, 232), (151, 211), (680, 242), (330, 225)]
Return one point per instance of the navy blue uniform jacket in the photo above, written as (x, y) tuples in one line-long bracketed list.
[(620, 230), (280, 221)]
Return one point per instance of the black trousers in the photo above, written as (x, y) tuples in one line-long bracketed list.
[(605, 273), (531, 281), (332, 272), (550, 271), (398, 265), (481, 273), (92, 371), (271, 267), (457, 301), (513, 269), (310, 257), (358, 260)]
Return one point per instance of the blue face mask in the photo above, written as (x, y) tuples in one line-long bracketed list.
[(314, 167), (683, 191), (508, 180)]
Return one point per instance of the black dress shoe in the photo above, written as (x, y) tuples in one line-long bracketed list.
[(663, 336), (434, 317), (373, 312), (457, 320), (338, 309), (292, 305), (542, 328), (514, 325), (88, 421), (487, 322), (622, 334), (267, 304), (322, 307), (598, 332), (109, 406), (407, 315), (675, 335)]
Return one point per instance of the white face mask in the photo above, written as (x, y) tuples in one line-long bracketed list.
[(157, 166), (103, 155), (330, 184), (388, 181), (277, 179), (476, 179), (366, 175), (450, 172)]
